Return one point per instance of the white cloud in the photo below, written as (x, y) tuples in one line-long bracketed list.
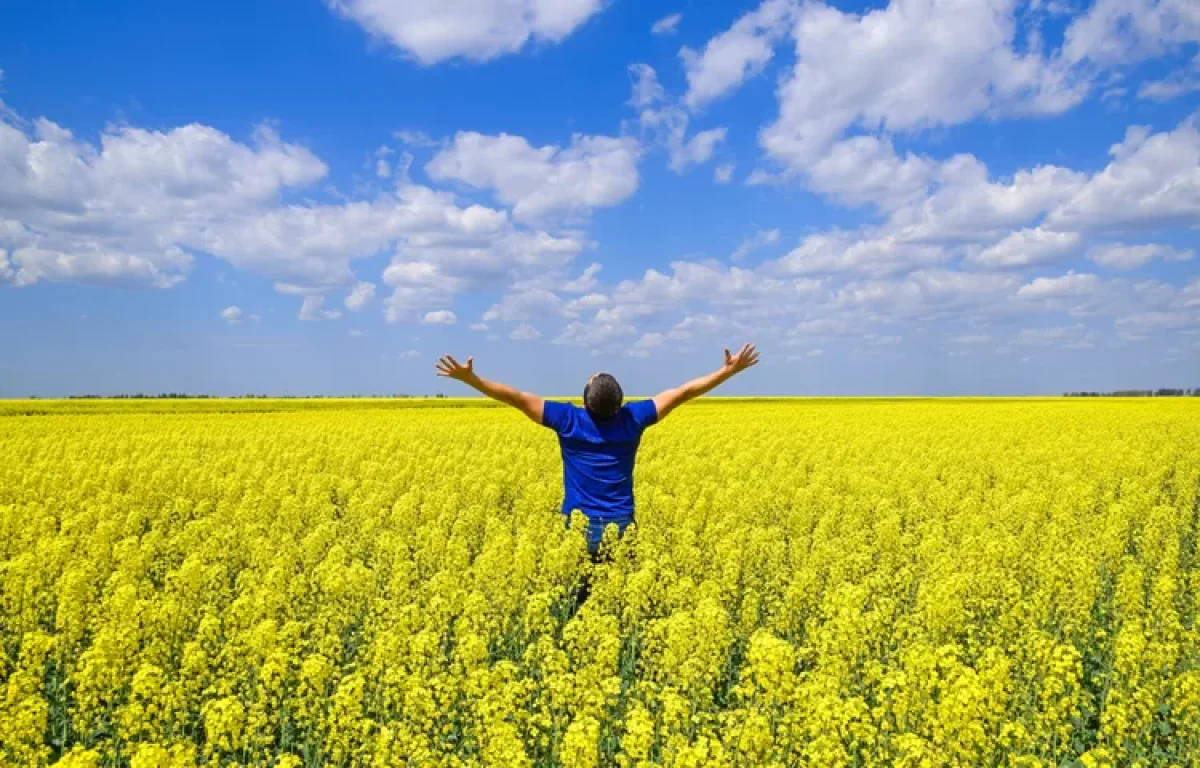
[(1141, 324), (669, 126), (876, 255), (759, 239), (972, 338), (128, 212), (866, 169), (133, 209), (695, 324), (231, 315), (647, 91), (1165, 90), (468, 250), (383, 167), (1027, 247), (1071, 284), (480, 30), (912, 65), (355, 333), (737, 54), (1179, 83), (1152, 180), (593, 172), (648, 341), (360, 297), (925, 293), (1191, 294), (667, 24), (667, 123), (440, 317), (697, 150), (525, 332), (417, 285), (585, 282), (312, 309), (479, 326), (1068, 336), (409, 354), (723, 174), (1121, 256), (1124, 31), (415, 139), (965, 205)]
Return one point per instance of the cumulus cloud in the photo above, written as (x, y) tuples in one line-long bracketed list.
[(759, 239), (667, 24), (1071, 284), (415, 139), (648, 341), (231, 315), (585, 282), (360, 297), (134, 208), (667, 123), (440, 317), (912, 65), (723, 174), (737, 54), (432, 31), (525, 332), (1153, 179), (131, 210), (1125, 31), (593, 172), (1075, 336), (1179, 83), (876, 254), (1027, 247), (1124, 257), (972, 338), (312, 308)]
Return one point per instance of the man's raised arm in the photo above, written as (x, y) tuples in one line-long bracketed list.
[(668, 400), (529, 404)]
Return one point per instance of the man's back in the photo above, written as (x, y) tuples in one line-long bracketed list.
[(598, 457)]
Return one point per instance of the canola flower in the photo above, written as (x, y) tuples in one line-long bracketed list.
[(810, 583)]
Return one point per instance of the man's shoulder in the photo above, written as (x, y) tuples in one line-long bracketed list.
[(559, 416)]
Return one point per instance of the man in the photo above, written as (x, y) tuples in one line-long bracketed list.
[(599, 441)]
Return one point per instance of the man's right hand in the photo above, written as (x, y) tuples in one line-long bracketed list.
[(745, 358)]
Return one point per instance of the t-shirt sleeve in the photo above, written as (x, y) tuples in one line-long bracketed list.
[(556, 416), (645, 413)]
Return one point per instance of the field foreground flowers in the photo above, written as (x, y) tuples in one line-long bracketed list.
[(811, 583)]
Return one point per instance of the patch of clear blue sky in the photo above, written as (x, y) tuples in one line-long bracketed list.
[(324, 84)]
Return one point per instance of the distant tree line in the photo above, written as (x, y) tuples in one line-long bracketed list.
[(1165, 392), (185, 396)]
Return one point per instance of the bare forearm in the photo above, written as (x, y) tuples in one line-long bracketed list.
[(494, 389), (702, 385)]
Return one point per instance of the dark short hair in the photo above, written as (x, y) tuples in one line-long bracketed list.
[(602, 397)]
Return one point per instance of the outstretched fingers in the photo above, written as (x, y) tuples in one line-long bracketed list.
[(446, 365), (749, 355)]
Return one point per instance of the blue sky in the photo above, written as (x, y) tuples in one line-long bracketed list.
[(921, 197)]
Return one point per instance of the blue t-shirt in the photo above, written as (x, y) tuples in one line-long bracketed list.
[(598, 457)]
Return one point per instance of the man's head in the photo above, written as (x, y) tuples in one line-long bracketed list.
[(602, 396)]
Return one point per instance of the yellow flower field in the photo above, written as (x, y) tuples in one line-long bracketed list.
[(811, 583)]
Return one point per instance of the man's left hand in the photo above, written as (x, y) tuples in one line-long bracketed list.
[(451, 369)]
